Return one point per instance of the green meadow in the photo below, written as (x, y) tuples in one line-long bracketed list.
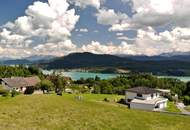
[(52, 112)]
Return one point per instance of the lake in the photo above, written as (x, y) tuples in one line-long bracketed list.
[(85, 75)]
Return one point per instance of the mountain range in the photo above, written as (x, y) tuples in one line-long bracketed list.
[(163, 64), (174, 65)]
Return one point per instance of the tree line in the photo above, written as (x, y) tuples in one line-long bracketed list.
[(119, 84)]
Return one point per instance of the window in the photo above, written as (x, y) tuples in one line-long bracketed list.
[(139, 95), (152, 95)]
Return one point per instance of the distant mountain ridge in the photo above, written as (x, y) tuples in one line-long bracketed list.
[(157, 65), (27, 61), (162, 65), (160, 58)]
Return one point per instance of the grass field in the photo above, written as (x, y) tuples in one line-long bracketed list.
[(187, 108), (171, 107), (51, 112)]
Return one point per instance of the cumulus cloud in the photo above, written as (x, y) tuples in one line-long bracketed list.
[(59, 49), (43, 23), (148, 42), (46, 29), (110, 17), (156, 13), (110, 48), (85, 3)]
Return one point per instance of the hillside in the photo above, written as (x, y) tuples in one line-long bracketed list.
[(89, 60), (51, 112)]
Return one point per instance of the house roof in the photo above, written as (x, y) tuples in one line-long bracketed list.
[(19, 82), (143, 90)]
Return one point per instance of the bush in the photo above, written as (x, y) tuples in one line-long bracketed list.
[(29, 90), (14, 93), (46, 85), (186, 100), (106, 100), (122, 101), (170, 98)]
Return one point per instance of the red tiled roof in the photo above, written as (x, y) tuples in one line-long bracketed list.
[(21, 81)]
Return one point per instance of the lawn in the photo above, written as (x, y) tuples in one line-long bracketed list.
[(187, 108), (51, 112), (171, 107)]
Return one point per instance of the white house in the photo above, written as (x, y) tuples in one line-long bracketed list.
[(19, 84), (145, 98)]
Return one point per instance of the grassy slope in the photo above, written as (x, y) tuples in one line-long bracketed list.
[(171, 107), (51, 112), (187, 108)]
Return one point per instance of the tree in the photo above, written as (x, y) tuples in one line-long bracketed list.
[(14, 93), (60, 85), (97, 89), (97, 78), (186, 100), (187, 91), (106, 87), (46, 85)]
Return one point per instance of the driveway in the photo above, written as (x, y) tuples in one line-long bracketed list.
[(181, 107)]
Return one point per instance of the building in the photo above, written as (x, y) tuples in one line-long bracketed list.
[(19, 84), (145, 98)]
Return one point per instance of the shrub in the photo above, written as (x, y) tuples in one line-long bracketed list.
[(29, 90), (186, 100), (46, 85), (14, 93), (106, 100), (122, 101)]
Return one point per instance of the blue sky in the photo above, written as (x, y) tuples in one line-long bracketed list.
[(60, 27), (16, 8)]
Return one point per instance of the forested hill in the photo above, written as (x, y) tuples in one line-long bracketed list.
[(89, 60), (80, 60)]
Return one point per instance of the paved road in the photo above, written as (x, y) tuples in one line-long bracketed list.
[(181, 106)]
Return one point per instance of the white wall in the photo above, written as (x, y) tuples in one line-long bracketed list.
[(141, 106), (147, 96), (162, 105)]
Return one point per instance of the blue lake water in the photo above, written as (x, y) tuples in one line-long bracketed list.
[(85, 75)]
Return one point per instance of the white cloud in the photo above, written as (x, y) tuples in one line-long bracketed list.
[(46, 29), (156, 13), (119, 34), (43, 23), (148, 42), (120, 27), (110, 17), (124, 38), (85, 3), (58, 49), (81, 30)]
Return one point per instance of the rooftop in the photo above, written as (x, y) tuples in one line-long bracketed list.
[(21, 81), (143, 90)]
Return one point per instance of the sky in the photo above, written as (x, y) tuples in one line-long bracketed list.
[(61, 27)]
